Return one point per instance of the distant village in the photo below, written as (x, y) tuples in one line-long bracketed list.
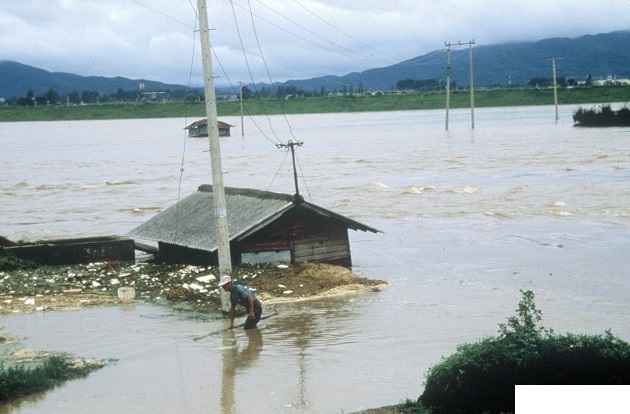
[(610, 80), (280, 92)]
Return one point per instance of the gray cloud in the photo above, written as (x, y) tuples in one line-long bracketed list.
[(281, 39)]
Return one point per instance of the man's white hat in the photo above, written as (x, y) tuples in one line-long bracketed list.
[(224, 279)]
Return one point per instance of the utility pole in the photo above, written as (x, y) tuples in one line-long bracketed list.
[(472, 93), (555, 85), (448, 80), (292, 146), (218, 190), (242, 124)]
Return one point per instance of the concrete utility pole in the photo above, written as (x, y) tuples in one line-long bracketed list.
[(218, 190), (555, 85), (242, 124), (292, 146), (448, 80), (472, 93)]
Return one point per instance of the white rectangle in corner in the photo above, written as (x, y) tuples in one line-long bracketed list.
[(574, 399)]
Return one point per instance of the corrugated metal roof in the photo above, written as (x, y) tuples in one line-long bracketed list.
[(192, 221)]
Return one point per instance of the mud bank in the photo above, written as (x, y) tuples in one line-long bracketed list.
[(65, 288)]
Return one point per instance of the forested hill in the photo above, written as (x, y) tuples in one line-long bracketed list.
[(598, 55), (16, 79)]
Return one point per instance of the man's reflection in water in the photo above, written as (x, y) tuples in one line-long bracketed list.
[(237, 356), (250, 353)]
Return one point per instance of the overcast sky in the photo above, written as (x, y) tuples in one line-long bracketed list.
[(276, 39)]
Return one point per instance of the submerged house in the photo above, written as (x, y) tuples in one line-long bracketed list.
[(263, 227), (200, 129)]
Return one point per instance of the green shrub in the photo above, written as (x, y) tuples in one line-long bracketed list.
[(602, 116), (18, 381), (480, 377)]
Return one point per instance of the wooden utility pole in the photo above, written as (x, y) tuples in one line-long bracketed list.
[(218, 190)]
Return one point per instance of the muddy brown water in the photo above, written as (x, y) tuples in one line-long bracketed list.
[(469, 217)]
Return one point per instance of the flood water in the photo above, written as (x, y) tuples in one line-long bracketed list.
[(468, 218)]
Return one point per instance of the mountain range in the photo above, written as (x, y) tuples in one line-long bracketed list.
[(16, 79), (597, 55)]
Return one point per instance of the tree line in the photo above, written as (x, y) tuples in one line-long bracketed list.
[(74, 97)]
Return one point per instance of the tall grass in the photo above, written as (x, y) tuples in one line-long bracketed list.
[(18, 381)]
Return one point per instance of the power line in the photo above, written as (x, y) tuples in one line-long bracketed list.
[(267, 70), (341, 31), (165, 15), (344, 51)]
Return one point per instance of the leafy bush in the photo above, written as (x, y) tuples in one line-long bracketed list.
[(18, 381), (480, 377), (604, 116)]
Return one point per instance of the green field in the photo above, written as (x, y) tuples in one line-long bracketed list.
[(390, 102)]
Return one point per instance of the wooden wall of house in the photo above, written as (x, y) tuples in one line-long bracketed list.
[(309, 237), (325, 248)]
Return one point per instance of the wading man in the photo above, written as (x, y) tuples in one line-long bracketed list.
[(244, 297)]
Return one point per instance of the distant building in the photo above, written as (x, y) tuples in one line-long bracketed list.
[(611, 80), (226, 97), (200, 128), (154, 96)]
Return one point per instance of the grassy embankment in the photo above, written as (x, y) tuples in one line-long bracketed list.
[(435, 100)]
